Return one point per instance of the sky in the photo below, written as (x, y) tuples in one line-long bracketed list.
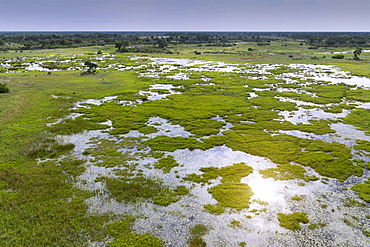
[(184, 15)]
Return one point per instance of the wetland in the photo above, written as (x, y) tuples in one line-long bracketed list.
[(183, 149)]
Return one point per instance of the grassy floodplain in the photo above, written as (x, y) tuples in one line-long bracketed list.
[(152, 152)]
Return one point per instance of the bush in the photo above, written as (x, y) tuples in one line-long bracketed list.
[(338, 56), (3, 88)]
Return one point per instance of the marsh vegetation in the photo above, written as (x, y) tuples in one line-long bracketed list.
[(244, 147)]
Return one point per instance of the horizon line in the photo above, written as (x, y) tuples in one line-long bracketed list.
[(351, 31)]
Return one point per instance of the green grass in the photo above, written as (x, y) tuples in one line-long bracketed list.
[(123, 236), (359, 118), (165, 143), (41, 209), (141, 188), (75, 126)]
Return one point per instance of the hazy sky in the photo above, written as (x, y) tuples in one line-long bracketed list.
[(184, 15)]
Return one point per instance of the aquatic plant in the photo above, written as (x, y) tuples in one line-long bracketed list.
[(141, 188), (75, 126), (166, 164), (292, 221), (166, 143), (286, 172), (44, 146), (363, 190), (197, 233), (235, 224), (123, 236), (362, 145), (230, 193)]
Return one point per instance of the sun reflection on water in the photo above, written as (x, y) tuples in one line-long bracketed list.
[(264, 189)]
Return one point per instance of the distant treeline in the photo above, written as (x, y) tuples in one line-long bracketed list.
[(156, 41)]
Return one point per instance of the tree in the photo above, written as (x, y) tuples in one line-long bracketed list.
[(357, 53), (28, 45), (121, 46), (91, 69), (162, 43)]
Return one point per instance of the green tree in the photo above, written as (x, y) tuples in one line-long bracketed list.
[(162, 43), (357, 53), (28, 45), (91, 68), (122, 45)]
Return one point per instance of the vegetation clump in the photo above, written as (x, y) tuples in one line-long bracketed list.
[(292, 221), (362, 145), (230, 193), (328, 159), (296, 198), (74, 126), (338, 56), (286, 172), (166, 143), (197, 233), (91, 68), (44, 146), (316, 225), (123, 236), (166, 164), (360, 118), (363, 190), (140, 188), (4, 88), (235, 224)]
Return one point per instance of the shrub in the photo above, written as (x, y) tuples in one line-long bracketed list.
[(338, 56), (3, 88)]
